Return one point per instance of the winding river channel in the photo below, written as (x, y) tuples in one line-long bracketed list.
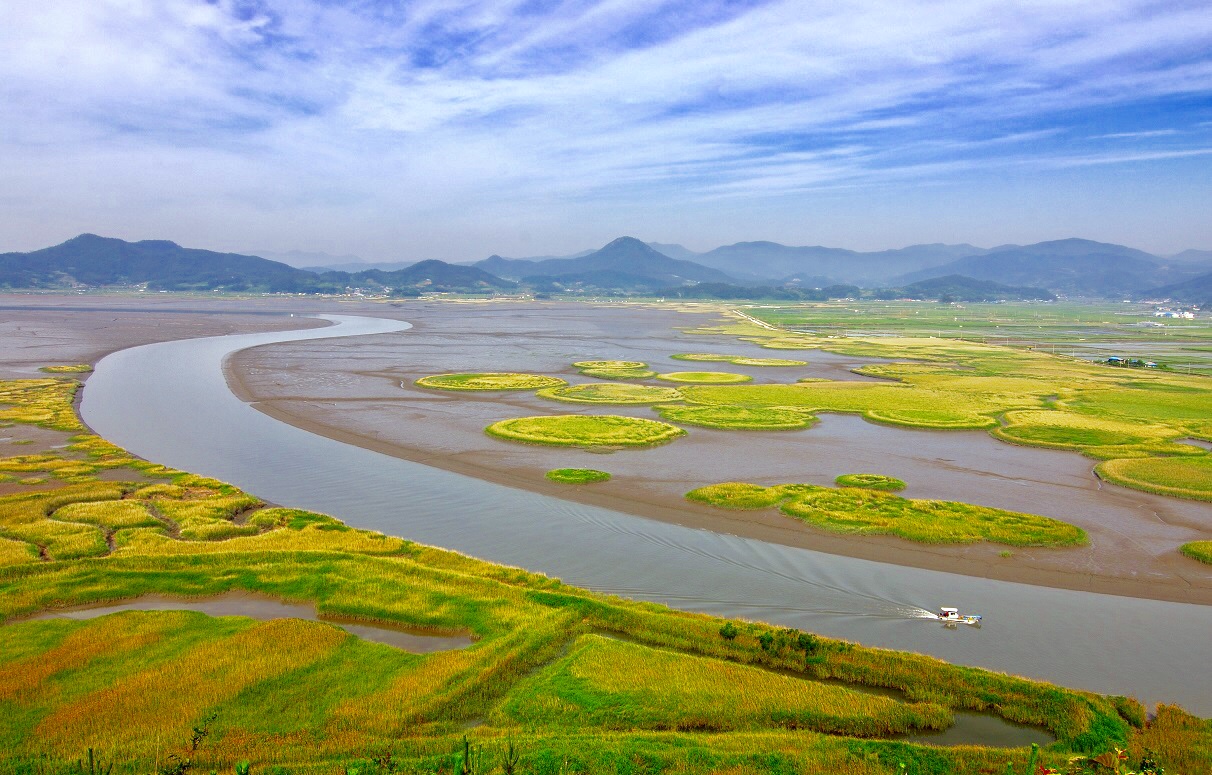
[(170, 403)]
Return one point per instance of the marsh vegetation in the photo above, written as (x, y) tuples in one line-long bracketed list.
[(687, 692), (869, 511)]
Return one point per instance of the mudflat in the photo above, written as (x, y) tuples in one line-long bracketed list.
[(362, 392)]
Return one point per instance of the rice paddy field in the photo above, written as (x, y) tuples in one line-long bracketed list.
[(556, 679)]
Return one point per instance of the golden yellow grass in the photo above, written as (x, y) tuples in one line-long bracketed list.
[(108, 514), (20, 678), (1181, 477), (617, 685), (16, 552), (165, 700)]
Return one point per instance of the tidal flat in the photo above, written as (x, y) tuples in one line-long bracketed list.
[(363, 392)]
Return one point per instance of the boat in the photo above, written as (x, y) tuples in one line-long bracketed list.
[(952, 616)]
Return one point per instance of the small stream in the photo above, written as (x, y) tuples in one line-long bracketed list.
[(264, 608)]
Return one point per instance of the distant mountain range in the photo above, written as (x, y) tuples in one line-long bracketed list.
[(624, 263), (92, 261), (1073, 267)]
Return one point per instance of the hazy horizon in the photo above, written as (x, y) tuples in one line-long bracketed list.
[(406, 131)]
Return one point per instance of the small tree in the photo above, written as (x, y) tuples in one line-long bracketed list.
[(765, 640), (728, 632), (807, 642)]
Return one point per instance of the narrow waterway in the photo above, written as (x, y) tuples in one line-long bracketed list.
[(169, 403)]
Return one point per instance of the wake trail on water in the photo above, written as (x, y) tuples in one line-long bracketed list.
[(827, 598)]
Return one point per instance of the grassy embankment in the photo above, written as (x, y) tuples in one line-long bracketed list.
[(866, 511), (693, 693), (577, 475)]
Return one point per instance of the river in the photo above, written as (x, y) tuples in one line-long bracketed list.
[(169, 402)]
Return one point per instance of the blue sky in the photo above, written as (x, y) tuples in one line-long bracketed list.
[(445, 129)]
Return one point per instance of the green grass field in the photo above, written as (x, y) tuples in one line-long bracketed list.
[(663, 692), (869, 512)]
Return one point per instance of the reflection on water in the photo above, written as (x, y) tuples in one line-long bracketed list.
[(987, 730), (1091, 641), (264, 609)]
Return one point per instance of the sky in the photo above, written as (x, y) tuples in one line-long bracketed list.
[(455, 129)]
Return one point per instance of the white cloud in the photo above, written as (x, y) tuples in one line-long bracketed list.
[(475, 107)]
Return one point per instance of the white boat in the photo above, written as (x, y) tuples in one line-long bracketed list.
[(952, 616)]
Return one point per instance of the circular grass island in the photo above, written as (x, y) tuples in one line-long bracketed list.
[(577, 475), (610, 365), (586, 430), (737, 360), (871, 482), (489, 380), (742, 418), (619, 373), (705, 377), (611, 393), (615, 369)]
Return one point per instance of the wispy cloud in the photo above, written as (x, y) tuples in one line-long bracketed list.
[(437, 109)]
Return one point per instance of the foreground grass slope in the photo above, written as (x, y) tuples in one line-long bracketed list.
[(575, 681)]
